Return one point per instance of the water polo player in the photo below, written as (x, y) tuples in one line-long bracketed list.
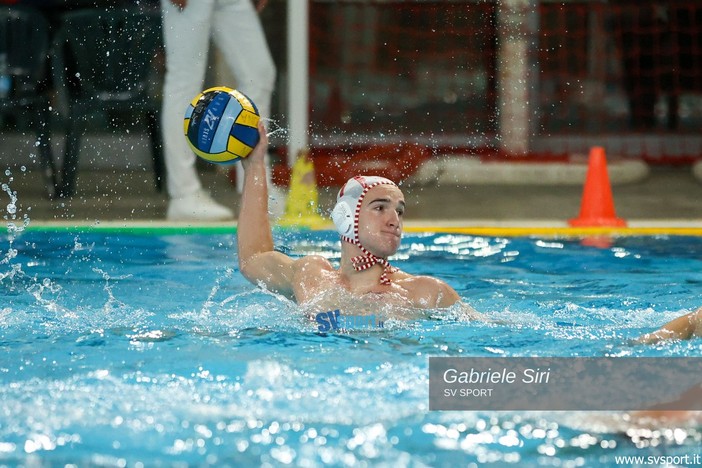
[(369, 216)]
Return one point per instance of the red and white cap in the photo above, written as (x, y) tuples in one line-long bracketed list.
[(345, 217)]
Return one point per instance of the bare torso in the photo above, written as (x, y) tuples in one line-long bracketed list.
[(318, 287)]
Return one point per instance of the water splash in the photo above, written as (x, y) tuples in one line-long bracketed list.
[(13, 229), (210, 301), (275, 129), (113, 304), (11, 212)]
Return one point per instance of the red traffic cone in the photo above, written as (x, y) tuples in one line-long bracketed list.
[(597, 206)]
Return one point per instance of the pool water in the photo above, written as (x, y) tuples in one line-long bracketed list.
[(143, 349)]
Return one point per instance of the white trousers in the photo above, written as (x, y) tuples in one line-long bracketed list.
[(236, 30)]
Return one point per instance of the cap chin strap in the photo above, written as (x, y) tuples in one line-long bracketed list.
[(367, 260)]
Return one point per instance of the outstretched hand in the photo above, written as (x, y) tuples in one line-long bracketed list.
[(259, 152)]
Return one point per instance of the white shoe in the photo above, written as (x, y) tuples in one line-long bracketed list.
[(198, 206)]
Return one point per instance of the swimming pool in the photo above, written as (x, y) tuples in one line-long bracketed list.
[(129, 348)]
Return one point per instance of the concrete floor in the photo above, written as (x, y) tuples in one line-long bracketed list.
[(108, 195)]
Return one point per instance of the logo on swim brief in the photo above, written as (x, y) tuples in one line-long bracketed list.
[(335, 320)]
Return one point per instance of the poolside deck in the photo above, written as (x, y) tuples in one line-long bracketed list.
[(668, 196)]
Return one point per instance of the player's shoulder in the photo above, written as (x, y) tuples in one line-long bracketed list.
[(428, 289), (420, 280), (310, 264)]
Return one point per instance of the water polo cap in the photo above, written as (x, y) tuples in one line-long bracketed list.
[(345, 217)]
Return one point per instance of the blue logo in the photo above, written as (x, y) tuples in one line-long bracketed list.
[(334, 320)]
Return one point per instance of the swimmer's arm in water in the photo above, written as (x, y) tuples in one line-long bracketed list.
[(469, 313), (435, 293), (258, 262), (681, 328)]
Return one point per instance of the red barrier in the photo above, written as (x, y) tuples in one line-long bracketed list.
[(334, 166)]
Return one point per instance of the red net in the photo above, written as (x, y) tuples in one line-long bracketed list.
[(620, 66), (398, 68), (427, 69), (626, 74)]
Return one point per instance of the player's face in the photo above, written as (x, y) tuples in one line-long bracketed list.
[(380, 220)]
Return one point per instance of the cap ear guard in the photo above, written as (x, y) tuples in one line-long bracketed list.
[(342, 215)]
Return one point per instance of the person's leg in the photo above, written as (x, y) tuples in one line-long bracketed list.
[(186, 36), (239, 35)]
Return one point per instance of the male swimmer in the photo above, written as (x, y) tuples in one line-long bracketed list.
[(369, 216)]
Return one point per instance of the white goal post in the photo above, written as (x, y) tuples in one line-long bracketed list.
[(298, 78)]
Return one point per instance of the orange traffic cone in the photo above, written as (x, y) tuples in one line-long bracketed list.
[(597, 206)]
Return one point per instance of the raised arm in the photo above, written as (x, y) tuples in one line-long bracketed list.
[(258, 262)]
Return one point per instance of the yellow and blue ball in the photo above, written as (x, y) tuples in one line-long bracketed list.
[(221, 125)]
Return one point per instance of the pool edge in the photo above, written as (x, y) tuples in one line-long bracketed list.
[(499, 228)]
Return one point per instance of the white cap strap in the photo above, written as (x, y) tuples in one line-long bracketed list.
[(367, 260)]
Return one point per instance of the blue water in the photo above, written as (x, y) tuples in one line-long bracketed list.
[(133, 349)]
